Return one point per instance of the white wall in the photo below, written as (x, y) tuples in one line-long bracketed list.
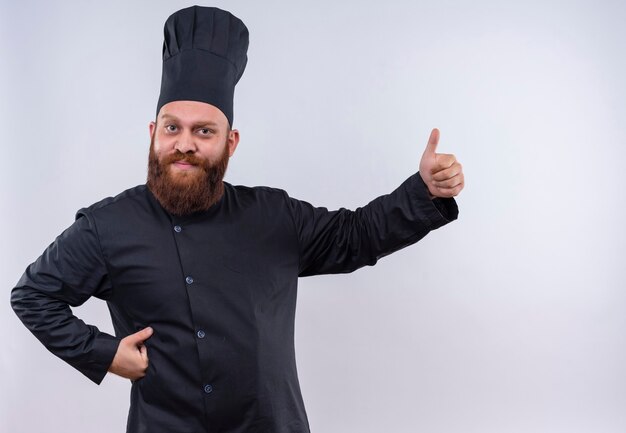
[(511, 319)]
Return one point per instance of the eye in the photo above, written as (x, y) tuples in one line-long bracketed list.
[(205, 131), (171, 128)]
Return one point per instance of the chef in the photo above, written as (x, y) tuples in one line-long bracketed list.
[(200, 276)]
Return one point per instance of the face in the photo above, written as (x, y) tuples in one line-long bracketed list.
[(192, 128), (190, 146)]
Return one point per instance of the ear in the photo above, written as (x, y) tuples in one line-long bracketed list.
[(152, 128), (233, 141)]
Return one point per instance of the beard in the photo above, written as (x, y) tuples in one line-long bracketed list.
[(186, 192)]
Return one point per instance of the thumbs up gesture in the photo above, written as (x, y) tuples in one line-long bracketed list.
[(131, 358), (441, 172)]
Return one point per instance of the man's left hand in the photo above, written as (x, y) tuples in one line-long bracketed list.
[(441, 172)]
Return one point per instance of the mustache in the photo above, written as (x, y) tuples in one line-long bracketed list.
[(184, 157)]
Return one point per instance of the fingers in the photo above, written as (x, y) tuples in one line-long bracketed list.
[(143, 352), (449, 183), (449, 177), (138, 365), (448, 173), (130, 361), (443, 161), (135, 354), (449, 187), (449, 192), (433, 141), (441, 172), (138, 339)]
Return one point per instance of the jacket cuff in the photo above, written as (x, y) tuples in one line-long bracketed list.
[(103, 351), (442, 210)]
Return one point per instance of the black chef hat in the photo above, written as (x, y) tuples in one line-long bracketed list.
[(204, 56)]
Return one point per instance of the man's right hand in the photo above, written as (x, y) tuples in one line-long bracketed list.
[(131, 358)]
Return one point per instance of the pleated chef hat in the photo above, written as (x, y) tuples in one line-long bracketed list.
[(204, 56)]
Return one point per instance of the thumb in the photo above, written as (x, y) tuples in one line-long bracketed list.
[(140, 336), (433, 140)]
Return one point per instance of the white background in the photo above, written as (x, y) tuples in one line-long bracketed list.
[(511, 319)]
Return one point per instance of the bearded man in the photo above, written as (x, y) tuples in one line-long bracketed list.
[(200, 276), (186, 168)]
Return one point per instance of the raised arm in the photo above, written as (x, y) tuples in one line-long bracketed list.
[(344, 240)]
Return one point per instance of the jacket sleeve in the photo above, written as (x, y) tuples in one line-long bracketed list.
[(342, 241), (69, 271)]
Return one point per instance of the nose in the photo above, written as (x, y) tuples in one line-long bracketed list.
[(185, 143)]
